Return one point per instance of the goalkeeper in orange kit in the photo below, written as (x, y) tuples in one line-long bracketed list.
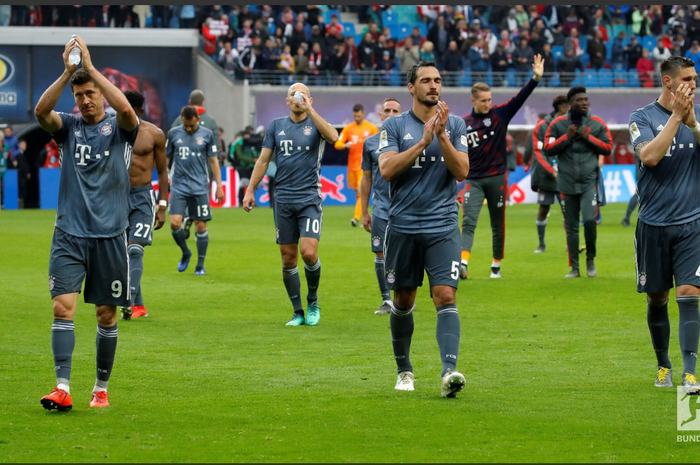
[(353, 138)]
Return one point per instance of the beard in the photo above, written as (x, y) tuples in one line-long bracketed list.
[(426, 102)]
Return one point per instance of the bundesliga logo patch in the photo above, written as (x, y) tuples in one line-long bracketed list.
[(307, 130), (106, 130), (376, 241)]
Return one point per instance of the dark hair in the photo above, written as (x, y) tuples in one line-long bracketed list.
[(575, 90), (135, 98), (196, 97), (559, 100), (357, 108), (189, 112), (79, 78), (413, 72), (672, 65)]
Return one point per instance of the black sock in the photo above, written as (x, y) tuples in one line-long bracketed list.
[(660, 330), (135, 272), (290, 277), (202, 244), (401, 323), (541, 226), (106, 342), (688, 330), (381, 278), (179, 236), (313, 277), (62, 344), (447, 334)]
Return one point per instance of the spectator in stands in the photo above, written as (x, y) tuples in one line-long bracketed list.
[(545, 33), (11, 142), (426, 51), (380, 48), (461, 34), (500, 62), (228, 59), (286, 62), (693, 53), (245, 14), (352, 63), (523, 57), (572, 21), (508, 45), (596, 50), (298, 36), (187, 15), (230, 37), (510, 23), (5, 12), (250, 60), (372, 29), (335, 62), (316, 60), (365, 59), (536, 42), (567, 66), (660, 53), (334, 27), (161, 16), (694, 27), (209, 39), (301, 64), (521, 15), (316, 37), (478, 60), (645, 69), (677, 22), (245, 35), (618, 49), (574, 42), (640, 21), (440, 37), (408, 55), (634, 53), (386, 67), (453, 64), (416, 38), (656, 20), (269, 59), (549, 65)]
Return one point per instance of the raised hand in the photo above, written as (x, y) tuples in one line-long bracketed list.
[(443, 115), (679, 101), (69, 46), (86, 59), (538, 66), (429, 130)]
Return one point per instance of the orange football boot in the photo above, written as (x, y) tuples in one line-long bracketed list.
[(99, 399), (138, 311), (58, 399)]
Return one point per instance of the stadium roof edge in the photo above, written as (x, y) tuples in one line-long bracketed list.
[(103, 36)]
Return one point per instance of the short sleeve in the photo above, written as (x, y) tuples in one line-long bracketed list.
[(67, 122), (459, 135), (388, 137), (366, 156), (640, 128), (169, 147), (213, 150), (269, 141)]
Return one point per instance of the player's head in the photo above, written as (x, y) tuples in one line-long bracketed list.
[(297, 86), (136, 100), (358, 113), (481, 97), (196, 98), (390, 107), (578, 99), (561, 104), (190, 119), (87, 95), (425, 83), (677, 70)]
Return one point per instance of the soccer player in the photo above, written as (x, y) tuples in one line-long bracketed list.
[(544, 170), (189, 145), (144, 217), (298, 141), (89, 242), (423, 152), (576, 140), (486, 134), (666, 138), (352, 138), (376, 224)]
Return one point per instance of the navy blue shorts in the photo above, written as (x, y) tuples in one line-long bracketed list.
[(378, 233), (666, 252), (295, 220), (102, 263), (408, 256), (142, 215), (547, 197), (196, 207)]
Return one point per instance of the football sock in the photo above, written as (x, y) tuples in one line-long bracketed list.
[(496, 263), (179, 236), (106, 342), (401, 323), (135, 272), (660, 329), (313, 276), (689, 330), (202, 244), (62, 345), (290, 276), (381, 278), (447, 334), (465, 256), (541, 226)]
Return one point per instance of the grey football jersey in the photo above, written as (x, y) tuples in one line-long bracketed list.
[(93, 194), (669, 193), (190, 154), (299, 148), (380, 186), (423, 196)]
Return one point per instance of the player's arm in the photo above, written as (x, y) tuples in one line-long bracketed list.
[(456, 161), (392, 162), (651, 150), (47, 118), (258, 173), (555, 139), (691, 120), (599, 138), (215, 168), (365, 192), (513, 105), (538, 146), (342, 143), (327, 131), (126, 117), (161, 160)]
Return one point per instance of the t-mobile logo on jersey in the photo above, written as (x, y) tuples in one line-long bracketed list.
[(285, 146), (473, 138), (84, 152)]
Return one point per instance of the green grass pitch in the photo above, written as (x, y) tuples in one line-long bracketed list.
[(557, 370)]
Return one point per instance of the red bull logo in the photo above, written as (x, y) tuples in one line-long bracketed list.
[(333, 189)]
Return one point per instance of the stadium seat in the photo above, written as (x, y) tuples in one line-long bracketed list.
[(649, 42), (633, 78), (394, 79), (590, 79), (404, 29), (329, 13), (617, 28), (395, 31), (583, 42), (489, 77), (620, 79), (557, 51), (389, 18), (554, 82), (349, 29), (608, 51), (605, 78), (510, 77), (406, 14), (618, 66), (423, 29), (465, 79), (578, 80), (585, 60)]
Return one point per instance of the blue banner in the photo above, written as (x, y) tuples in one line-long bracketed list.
[(14, 80)]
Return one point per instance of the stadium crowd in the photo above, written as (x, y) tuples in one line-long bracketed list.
[(594, 45)]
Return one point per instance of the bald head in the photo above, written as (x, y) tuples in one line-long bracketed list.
[(197, 98), (298, 86)]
